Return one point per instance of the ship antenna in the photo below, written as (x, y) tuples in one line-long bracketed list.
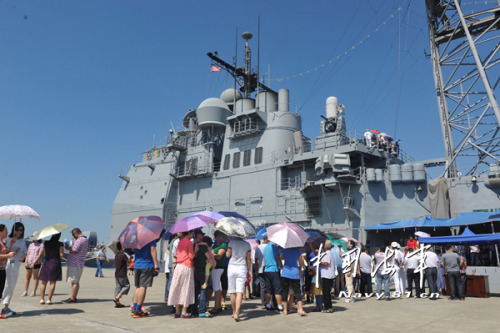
[(258, 56), (247, 78), (235, 66)]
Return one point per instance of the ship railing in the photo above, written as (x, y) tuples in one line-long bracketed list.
[(244, 126), (291, 182), (194, 170)]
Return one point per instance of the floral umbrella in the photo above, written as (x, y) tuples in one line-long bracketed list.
[(233, 226), (141, 231), (14, 211)]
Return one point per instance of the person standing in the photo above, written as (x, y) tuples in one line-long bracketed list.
[(75, 263), (5, 255), (182, 287), (220, 259), (463, 277), (451, 263), (259, 267), (399, 275), (100, 257), (122, 285), (32, 265), (290, 276), (328, 273), (337, 252), (51, 269), (431, 261), (238, 270), (365, 270), (200, 262), (349, 276), (272, 269), (411, 276), (145, 268), (380, 265), (474, 255), (15, 243), (412, 243)]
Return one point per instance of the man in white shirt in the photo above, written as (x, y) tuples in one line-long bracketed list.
[(411, 276), (431, 261), (399, 275), (365, 270)]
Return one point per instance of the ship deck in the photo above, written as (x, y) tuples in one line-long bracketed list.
[(95, 312)]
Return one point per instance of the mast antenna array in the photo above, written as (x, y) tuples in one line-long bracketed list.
[(247, 80), (465, 59)]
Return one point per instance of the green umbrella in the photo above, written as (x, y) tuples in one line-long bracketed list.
[(339, 242), (51, 230)]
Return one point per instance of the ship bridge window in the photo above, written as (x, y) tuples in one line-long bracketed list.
[(227, 159), (236, 160), (247, 156), (258, 155)]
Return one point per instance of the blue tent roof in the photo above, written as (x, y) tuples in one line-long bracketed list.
[(467, 237), (429, 222)]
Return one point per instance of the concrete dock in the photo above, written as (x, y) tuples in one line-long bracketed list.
[(95, 312)]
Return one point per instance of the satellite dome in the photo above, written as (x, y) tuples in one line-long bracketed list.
[(212, 112), (230, 96)]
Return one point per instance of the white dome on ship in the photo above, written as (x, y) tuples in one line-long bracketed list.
[(230, 95), (212, 112)]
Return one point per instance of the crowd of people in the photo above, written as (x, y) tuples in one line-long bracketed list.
[(13, 253), (198, 267), (381, 141)]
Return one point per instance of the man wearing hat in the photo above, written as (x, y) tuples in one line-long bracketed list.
[(399, 275)]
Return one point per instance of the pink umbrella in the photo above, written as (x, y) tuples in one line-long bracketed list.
[(141, 231), (253, 243), (287, 235), (347, 239), (190, 223)]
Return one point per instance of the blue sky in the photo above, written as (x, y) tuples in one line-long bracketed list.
[(87, 86)]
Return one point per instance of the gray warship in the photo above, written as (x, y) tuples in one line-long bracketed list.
[(245, 151)]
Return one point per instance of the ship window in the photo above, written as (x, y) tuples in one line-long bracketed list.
[(226, 161), (258, 155), (236, 160), (247, 155)]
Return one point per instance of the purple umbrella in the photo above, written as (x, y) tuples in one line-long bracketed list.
[(388, 138), (213, 215), (141, 231), (190, 223), (287, 235)]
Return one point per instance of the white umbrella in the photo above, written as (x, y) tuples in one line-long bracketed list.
[(13, 211), (233, 226), (51, 230), (422, 234)]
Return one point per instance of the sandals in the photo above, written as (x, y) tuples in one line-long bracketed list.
[(215, 311), (302, 313)]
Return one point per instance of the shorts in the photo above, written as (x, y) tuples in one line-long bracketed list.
[(35, 266), (286, 283), (216, 275), (144, 277), (74, 274), (236, 278), (273, 283)]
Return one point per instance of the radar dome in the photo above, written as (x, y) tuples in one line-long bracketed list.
[(230, 96), (212, 112)]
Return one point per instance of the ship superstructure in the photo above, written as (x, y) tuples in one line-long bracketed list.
[(245, 151)]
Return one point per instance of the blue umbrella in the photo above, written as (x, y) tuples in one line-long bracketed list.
[(234, 214), (260, 233)]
